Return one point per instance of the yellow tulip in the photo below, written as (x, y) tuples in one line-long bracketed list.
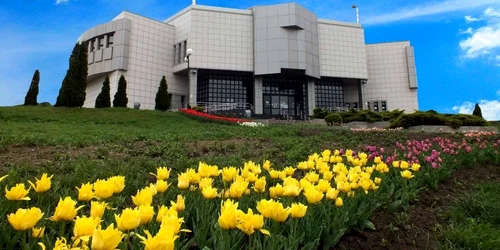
[(407, 174), (289, 171), (161, 186), (25, 219), (85, 192), (118, 183), (147, 212), (238, 188), (143, 197), (205, 170), (205, 182), (183, 181), (152, 189), (66, 210), (274, 174), (194, 177), (128, 220), (327, 175), (323, 185), (173, 223), (377, 180), (16, 193), (339, 202), (97, 208), (250, 222), (165, 211), (104, 189), (273, 210), (43, 184), (180, 204), (260, 185), (298, 210), (228, 218), (163, 240), (395, 164), (209, 193), (61, 244), (266, 165), (162, 173), (85, 226), (276, 191), (313, 196), (38, 232), (229, 173), (415, 167), (107, 239), (404, 165), (3, 177), (332, 194)]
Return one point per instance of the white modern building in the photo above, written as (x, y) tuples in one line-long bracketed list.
[(275, 59)]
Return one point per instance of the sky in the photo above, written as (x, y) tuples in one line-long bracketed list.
[(457, 42)]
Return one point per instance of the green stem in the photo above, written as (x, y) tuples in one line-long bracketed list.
[(62, 230), (24, 245), (127, 236)]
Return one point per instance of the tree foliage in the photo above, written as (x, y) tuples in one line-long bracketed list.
[(72, 92), (121, 99), (31, 96), (477, 111), (103, 100), (162, 100)]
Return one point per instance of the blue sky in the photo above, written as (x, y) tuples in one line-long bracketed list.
[(457, 42)]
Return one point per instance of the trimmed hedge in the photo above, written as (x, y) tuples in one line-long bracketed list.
[(333, 118), (433, 118)]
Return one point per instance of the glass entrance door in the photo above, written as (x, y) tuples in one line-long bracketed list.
[(283, 96)]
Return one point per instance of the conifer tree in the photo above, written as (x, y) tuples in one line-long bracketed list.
[(121, 99), (103, 100), (162, 100), (477, 111), (31, 96), (72, 92)]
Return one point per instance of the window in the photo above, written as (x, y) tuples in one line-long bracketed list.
[(284, 95), (101, 42), (180, 52), (384, 106), (224, 86), (329, 93), (91, 42), (110, 37)]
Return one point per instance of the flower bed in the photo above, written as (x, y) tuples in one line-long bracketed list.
[(210, 117), (256, 206)]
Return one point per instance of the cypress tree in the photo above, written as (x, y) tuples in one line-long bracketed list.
[(104, 98), (162, 100), (477, 111), (121, 99), (72, 92), (31, 96)]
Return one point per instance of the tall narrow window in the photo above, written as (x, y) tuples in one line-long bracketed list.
[(109, 43), (179, 53), (101, 42), (92, 45), (384, 106), (185, 48), (375, 107), (175, 54)]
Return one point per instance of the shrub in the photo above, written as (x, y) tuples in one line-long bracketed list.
[(319, 113), (162, 100), (391, 115), (103, 100), (45, 104), (471, 120), (333, 118), (427, 118), (32, 94), (198, 108), (72, 92), (121, 99), (362, 116), (477, 111)]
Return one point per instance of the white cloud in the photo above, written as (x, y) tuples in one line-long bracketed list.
[(471, 19), (469, 31), (484, 40), (489, 108), (428, 9), (62, 2)]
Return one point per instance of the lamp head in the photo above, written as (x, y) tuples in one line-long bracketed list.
[(189, 52), (354, 6)]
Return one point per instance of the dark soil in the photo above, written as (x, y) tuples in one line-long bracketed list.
[(419, 227)]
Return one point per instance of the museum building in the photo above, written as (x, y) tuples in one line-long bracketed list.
[(274, 60)]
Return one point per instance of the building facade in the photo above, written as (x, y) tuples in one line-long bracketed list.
[(275, 60)]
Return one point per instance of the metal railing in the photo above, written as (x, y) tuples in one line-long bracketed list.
[(214, 107), (340, 109)]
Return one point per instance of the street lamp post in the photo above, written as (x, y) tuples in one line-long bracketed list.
[(357, 12), (189, 52)]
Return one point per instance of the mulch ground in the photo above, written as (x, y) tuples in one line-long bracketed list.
[(419, 228)]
